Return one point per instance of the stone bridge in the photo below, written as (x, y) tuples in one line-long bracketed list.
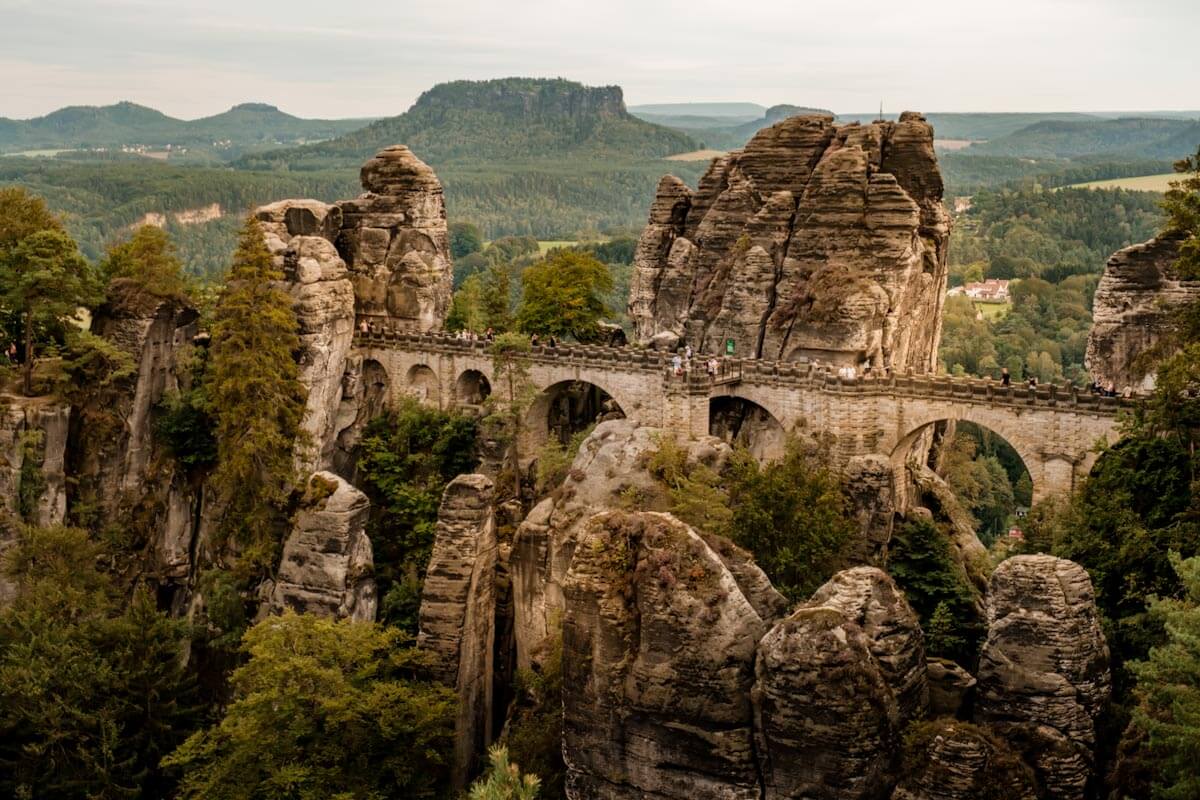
[(1053, 429)]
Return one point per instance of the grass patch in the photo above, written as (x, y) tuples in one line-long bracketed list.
[(1142, 183)]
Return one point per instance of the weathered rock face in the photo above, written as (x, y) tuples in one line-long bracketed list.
[(1133, 303), (658, 654), (458, 612), (1043, 672), (950, 687), (115, 461), (869, 598), (317, 279), (826, 720), (871, 502), (384, 254), (813, 241), (33, 445), (327, 563), (395, 242), (610, 467), (951, 760)]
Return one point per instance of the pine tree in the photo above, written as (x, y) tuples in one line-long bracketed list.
[(504, 780), (256, 396), (1168, 691)]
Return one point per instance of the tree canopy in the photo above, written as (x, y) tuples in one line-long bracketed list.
[(256, 397), (323, 709), (564, 295)]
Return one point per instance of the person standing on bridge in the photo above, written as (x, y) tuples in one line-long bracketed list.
[(1005, 378), (677, 364)]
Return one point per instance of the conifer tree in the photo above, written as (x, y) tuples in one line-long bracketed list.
[(256, 396)]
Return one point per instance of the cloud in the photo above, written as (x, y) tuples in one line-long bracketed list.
[(374, 57)]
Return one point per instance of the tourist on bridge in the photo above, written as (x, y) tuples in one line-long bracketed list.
[(1033, 382), (687, 352), (552, 342), (1005, 378), (712, 367), (489, 334), (677, 364), (533, 340), (362, 325)]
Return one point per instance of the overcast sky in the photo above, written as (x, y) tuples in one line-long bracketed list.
[(327, 58)]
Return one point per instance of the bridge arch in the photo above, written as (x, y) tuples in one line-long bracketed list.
[(566, 407), (472, 388), (921, 436), (421, 382), (741, 421), (375, 385)]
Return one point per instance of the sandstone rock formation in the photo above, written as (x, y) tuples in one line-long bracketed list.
[(1136, 294), (950, 687), (871, 503), (1043, 672), (952, 760), (870, 599), (116, 463), (814, 240), (610, 468), (384, 254), (327, 565), (826, 721), (33, 447), (658, 654), (458, 612), (317, 278)]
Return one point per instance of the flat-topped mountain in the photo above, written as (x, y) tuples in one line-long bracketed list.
[(508, 118)]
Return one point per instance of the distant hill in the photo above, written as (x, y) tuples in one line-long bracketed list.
[(725, 131), (979, 126), (1131, 137), (546, 157), (128, 125), (736, 112), (474, 122)]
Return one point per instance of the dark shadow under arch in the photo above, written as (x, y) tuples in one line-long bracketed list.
[(472, 388), (744, 423), (565, 408)]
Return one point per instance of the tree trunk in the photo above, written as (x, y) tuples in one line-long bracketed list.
[(27, 367)]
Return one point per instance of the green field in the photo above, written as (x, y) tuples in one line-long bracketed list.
[(1144, 183), (993, 311)]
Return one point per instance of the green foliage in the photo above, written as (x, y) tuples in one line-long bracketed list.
[(510, 400), (405, 459), (921, 564), (980, 481), (147, 260), (503, 780), (31, 481), (1135, 508), (696, 493), (554, 460), (465, 238), (1182, 204), (186, 428), (323, 709), (1131, 137), (43, 278), (535, 733), (1168, 689), (92, 694), (563, 295), (255, 396), (791, 515), (95, 372)]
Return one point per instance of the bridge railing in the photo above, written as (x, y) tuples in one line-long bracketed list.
[(730, 371)]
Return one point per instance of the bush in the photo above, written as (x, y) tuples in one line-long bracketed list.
[(921, 564), (323, 709)]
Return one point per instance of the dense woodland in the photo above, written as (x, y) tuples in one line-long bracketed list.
[(94, 698)]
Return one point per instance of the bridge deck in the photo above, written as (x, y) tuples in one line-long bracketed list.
[(803, 375)]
